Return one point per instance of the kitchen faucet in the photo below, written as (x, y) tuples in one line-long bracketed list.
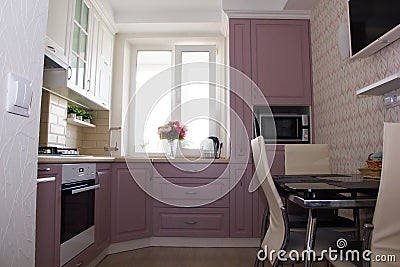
[(108, 146)]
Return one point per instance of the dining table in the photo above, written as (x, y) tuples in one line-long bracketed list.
[(326, 191)]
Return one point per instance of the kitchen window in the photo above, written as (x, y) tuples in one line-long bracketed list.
[(175, 83)]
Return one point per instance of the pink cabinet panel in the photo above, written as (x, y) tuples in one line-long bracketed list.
[(131, 207), (192, 222), (191, 170), (83, 258), (241, 88), (102, 207), (239, 45), (193, 193), (48, 207), (281, 61), (241, 203)]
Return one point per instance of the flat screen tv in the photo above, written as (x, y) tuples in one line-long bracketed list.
[(373, 25)]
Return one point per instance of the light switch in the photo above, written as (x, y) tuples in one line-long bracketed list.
[(19, 95)]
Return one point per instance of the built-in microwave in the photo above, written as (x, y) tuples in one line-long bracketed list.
[(289, 128)]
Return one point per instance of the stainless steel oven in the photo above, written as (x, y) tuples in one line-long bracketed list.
[(77, 209)]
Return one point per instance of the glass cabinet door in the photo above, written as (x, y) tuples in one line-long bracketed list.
[(79, 54)]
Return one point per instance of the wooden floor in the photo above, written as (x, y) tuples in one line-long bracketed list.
[(185, 257), (182, 257)]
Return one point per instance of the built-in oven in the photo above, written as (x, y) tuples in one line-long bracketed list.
[(289, 128), (77, 209)]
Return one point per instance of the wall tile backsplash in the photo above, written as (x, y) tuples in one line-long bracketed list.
[(55, 131), (53, 120), (352, 125)]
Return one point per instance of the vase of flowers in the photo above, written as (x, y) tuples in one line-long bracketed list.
[(171, 133)]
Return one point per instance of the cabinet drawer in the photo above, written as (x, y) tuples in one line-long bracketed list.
[(193, 222), (191, 192), (191, 170)]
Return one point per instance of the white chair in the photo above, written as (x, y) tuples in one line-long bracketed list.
[(386, 227), (303, 159), (278, 235), (382, 237)]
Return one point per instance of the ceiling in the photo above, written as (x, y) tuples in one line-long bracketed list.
[(166, 15)]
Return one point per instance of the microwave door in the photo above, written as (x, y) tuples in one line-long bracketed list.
[(267, 129)]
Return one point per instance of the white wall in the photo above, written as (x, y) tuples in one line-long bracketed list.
[(22, 32)]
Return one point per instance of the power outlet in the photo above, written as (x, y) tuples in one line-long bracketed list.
[(392, 99)]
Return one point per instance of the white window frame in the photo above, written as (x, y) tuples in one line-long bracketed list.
[(176, 95), (212, 47)]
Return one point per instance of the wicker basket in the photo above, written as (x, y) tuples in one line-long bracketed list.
[(370, 173), (373, 164)]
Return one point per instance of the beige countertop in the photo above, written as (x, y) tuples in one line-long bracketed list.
[(83, 159)]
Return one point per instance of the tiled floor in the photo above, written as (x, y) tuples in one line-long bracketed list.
[(185, 257)]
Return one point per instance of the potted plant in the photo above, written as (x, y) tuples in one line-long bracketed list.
[(87, 117), (80, 113), (72, 111)]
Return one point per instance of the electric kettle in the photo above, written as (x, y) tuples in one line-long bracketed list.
[(211, 147)]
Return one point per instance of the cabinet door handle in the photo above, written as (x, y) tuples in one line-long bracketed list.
[(101, 172), (79, 264), (44, 170), (106, 63), (190, 222), (69, 73), (45, 180), (51, 48), (191, 193), (88, 85)]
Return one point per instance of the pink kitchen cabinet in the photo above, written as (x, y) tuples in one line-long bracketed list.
[(131, 207), (241, 213), (191, 222), (102, 207), (280, 61), (183, 219), (240, 90), (48, 207)]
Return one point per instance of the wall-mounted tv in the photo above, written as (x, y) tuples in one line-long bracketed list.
[(373, 25)]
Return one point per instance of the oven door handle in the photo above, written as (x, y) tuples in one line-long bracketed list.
[(84, 189)]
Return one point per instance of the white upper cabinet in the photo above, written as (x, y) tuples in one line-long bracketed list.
[(95, 26), (104, 65), (101, 62), (79, 64), (58, 31), (79, 40)]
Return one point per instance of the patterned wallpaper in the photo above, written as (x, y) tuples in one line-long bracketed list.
[(352, 125), (22, 32)]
